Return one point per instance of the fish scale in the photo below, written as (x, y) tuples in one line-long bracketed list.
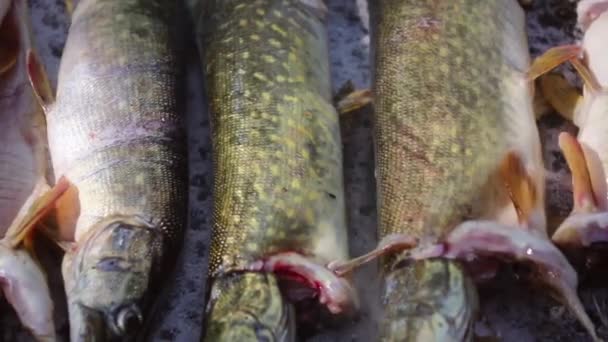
[(277, 149), (116, 134), (279, 213), (455, 139), (439, 129)]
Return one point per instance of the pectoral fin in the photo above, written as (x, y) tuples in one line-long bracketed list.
[(588, 184), (553, 58), (556, 56), (588, 221), (39, 204), (389, 244), (561, 95), (39, 81), (348, 99), (520, 186)]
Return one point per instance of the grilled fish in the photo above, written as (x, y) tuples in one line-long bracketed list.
[(117, 137), (586, 155), (279, 197), (459, 168), (24, 169)]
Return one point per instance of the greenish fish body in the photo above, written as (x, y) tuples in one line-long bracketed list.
[(117, 135), (458, 159), (23, 172), (279, 197)]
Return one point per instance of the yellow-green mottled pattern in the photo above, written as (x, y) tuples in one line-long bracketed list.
[(115, 129), (116, 132), (249, 308), (276, 138), (444, 120)]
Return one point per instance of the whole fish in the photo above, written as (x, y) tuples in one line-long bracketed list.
[(459, 168), (587, 155), (23, 176), (116, 135), (279, 196)]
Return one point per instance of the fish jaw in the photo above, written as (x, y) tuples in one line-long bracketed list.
[(108, 276), (249, 307), (25, 287), (428, 300)]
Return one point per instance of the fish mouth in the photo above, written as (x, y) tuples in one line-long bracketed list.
[(109, 279), (427, 300), (120, 324), (248, 306)]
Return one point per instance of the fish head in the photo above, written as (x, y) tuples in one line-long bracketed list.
[(427, 300), (108, 279), (248, 307)]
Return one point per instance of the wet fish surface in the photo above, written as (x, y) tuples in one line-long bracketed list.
[(117, 136), (459, 170), (279, 194)]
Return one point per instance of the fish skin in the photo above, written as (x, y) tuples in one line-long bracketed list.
[(451, 102), (117, 134), (23, 167), (276, 143)]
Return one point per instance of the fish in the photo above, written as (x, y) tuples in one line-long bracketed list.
[(586, 154), (460, 176), (116, 134), (279, 208), (25, 194)]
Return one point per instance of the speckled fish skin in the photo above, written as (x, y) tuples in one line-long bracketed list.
[(450, 103), (276, 139), (23, 165), (116, 132)]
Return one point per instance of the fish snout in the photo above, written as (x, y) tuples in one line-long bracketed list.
[(112, 275)]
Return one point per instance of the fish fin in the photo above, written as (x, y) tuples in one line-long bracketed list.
[(561, 95), (348, 99), (552, 58), (388, 245), (25, 287), (353, 101), (520, 186), (586, 75), (588, 221), (474, 239), (586, 198), (39, 81), (43, 200), (336, 293)]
